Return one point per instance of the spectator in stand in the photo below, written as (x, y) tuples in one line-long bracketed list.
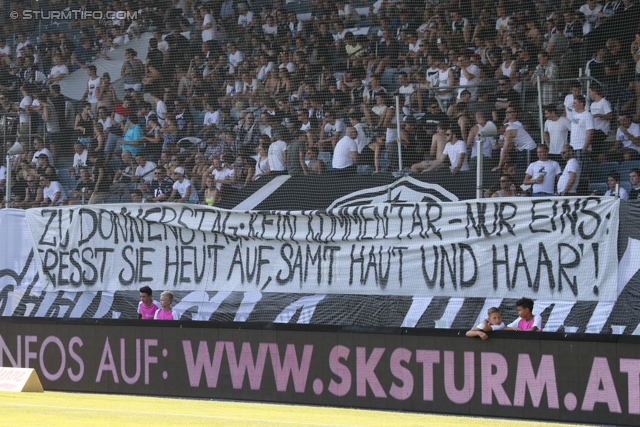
[(38, 145), (79, 159), (455, 152), (615, 70), (575, 90), (506, 97), (543, 174), (556, 131), (627, 136), (634, 178), (143, 170), (518, 140), (84, 54), (131, 138), (296, 165), (582, 127), (160, 187), (183, 191), (602, 115), (546, 70), (487, 142), (165, 312), (132, 70), (615, 190), (278, 155), (469, 75), (52, 192), (345, 154), (570, 178)]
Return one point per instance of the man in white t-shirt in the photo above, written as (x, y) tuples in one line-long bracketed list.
[(52, 192), (59, 71), (542, 174), (469, 75), (556, 131), (516, 137), (406, 89), (602, 114), (502, 23), (38, 145), (270, 26), (182, 192), (628, 134), (90, 93), (582, 127), (332, 130), (576, 88), (345, 154), (144, 169), (235, 57), (570, 178), (277, 155), (79, 159), (455, 151), (245, 17)]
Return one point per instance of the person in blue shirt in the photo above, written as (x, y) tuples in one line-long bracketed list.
[(131, 139), (83, 55)]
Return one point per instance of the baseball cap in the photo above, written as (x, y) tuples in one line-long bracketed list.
[(179, 170)]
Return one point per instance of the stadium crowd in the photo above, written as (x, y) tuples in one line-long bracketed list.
[(232, 91)]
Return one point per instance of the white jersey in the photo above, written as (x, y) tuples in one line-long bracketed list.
[(453, 152), (580, 124), (634, 130), (601, 107), (93, 84), (444, 82), (549, 170), (572, 165), (558, 133), (522, 140)]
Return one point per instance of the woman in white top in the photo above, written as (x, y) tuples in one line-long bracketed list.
[(262, 165)]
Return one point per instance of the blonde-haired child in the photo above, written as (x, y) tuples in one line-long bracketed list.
[(492, 323), (166, 312)]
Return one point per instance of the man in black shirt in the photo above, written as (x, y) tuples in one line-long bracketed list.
[(10, 83), (505, 97), (160, 186), (433, 118)]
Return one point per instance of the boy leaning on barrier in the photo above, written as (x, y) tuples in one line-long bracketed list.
[(493, 322)]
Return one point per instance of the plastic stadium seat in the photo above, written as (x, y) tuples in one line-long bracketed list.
[(626, 185), (598, 187), (603, 170), (630, 164), (624, 174), (113, 198)]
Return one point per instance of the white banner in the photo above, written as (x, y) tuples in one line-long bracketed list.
[(558, 249)]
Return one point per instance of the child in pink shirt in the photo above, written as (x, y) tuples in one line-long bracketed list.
[(166, 313), (146, 307), (526, 321)]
